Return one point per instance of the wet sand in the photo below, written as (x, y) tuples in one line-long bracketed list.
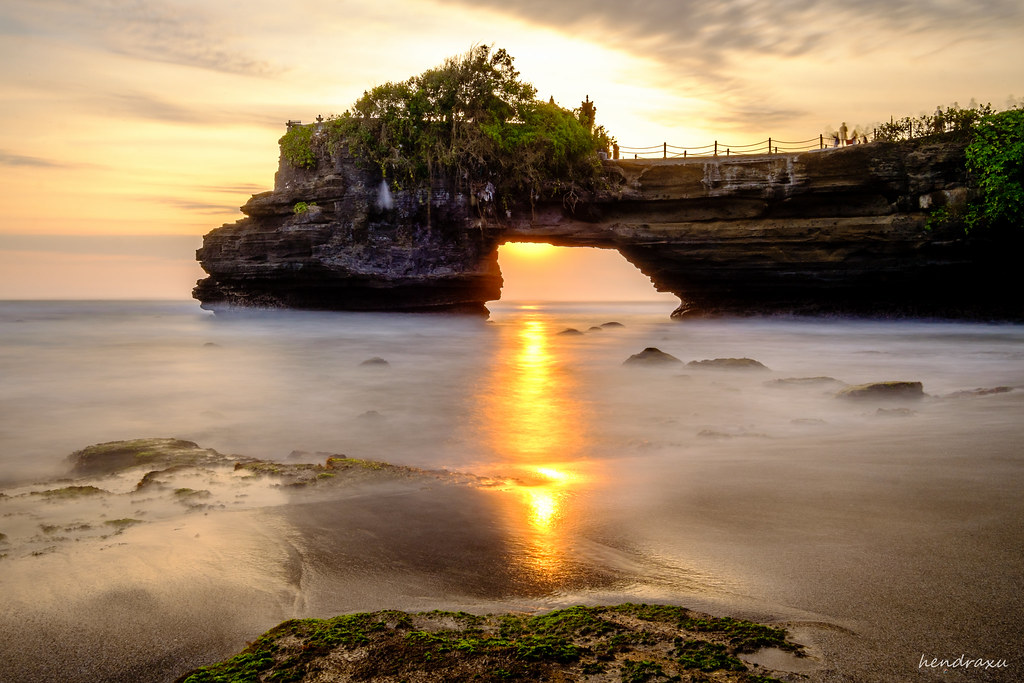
[(870, 554)]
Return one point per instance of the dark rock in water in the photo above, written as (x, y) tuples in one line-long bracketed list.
[(376, 361), (612, 323), (570, 331), (894, 412), (114, 456), (965, 393), (883, 390), (728, 364), (802, 381), (813, 421), (719, 434), (211, 345), (651, 356), (594, 328), (370, 415)]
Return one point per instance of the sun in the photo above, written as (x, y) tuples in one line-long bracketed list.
[(528, 250)]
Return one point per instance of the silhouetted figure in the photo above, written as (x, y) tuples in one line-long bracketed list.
[(842, 133)]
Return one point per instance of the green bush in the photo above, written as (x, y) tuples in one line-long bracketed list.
[(995, 160), (297, 147)]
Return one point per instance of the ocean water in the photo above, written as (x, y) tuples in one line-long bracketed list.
[(879, 532)]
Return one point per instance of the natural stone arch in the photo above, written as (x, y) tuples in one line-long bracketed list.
[(572, 273)]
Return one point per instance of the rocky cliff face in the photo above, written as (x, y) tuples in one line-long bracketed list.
[(830, 231), (358, 246)]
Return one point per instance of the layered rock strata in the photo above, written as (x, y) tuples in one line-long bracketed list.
[(826, 231)]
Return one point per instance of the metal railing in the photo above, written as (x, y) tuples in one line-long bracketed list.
[(720, 149)]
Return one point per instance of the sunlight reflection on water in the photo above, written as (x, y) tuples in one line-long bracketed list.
[(536, 425)]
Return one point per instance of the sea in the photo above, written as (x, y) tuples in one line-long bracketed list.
[(881, 532)]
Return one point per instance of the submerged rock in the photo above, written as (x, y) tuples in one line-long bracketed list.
[(803, 381), (728, 364), (883, 390), (665, 642), (376, 361), (570, 331), (651, 356), (612, 323), (965, 393), (114, 456), (895, 412)]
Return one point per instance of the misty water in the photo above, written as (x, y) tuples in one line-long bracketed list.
[(877, 532)]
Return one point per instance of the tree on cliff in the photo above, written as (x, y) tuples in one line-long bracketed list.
[(471, 120), (995, 158)]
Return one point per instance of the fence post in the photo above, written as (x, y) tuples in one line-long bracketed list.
[(716, 148), (769, 145), (821, 141), (664, 150), (684, 153)]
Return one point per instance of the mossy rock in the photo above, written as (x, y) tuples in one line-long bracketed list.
[(652, 356), (114, 456), (626, 642), (883, 390)]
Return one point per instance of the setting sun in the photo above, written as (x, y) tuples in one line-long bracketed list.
[(528, 249)]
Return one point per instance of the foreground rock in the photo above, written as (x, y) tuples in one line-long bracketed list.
[(622, 643), (824, 231), (883, 390), (651, 356)]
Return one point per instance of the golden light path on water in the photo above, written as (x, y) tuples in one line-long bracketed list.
[(535, 424)]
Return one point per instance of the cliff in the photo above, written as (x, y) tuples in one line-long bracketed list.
[(826, 231)]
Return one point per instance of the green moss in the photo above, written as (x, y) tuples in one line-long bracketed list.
[(642, 671), (705, 656), (342, 463), (297, 147), (70, 492), (192, 493), (560, 645), (242, 668)]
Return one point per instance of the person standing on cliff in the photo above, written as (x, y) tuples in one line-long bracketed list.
[(842, 134)]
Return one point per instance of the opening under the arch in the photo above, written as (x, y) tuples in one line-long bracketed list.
[(536, 271)]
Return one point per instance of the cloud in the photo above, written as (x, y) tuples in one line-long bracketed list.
[(250, 188), (8, 159), (707, 42), (157, 246), (179, 33), (138, 104), (205, 208)]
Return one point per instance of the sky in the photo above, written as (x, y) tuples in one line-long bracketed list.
[(130, 128)]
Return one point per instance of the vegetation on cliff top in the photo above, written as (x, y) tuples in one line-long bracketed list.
[(626, 642), (471, 119), (995, 162), (995, 159)]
